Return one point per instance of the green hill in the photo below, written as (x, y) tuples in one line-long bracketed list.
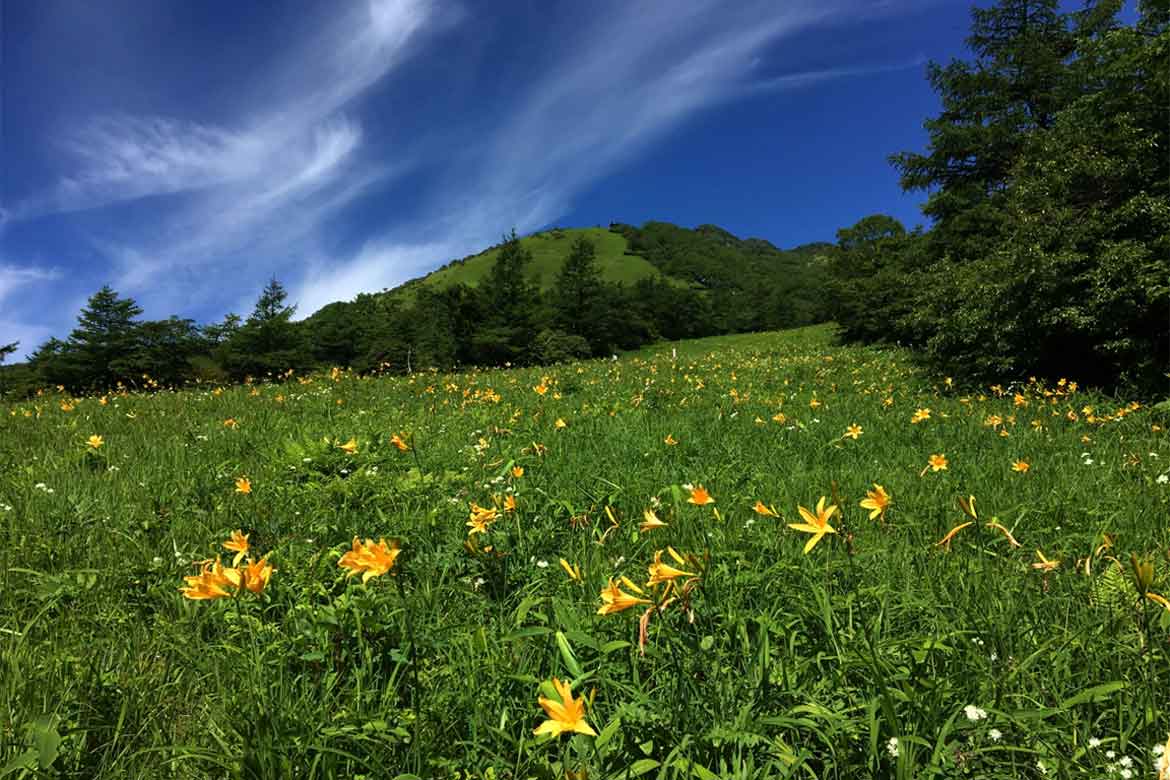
[(549, 250), (706, 257), (657, 281)]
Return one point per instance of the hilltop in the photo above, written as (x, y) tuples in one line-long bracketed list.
[(701, 258)]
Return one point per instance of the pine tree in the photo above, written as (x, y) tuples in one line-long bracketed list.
[(8, 349), (269, 342), (511, 302), (578, 296), (1015, 85), (98, 351)]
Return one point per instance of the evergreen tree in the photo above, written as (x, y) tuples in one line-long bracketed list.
[(8, 349), (510, 303), (578, 298), (269, 342), (98, 352), (1015, 85)]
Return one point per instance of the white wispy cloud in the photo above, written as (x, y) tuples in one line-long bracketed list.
[(260, 185), (13, 277)]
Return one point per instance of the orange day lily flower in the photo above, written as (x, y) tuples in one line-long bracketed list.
[(243, 485), (614, 599), (95, 442), (212, 582), (568, 714), (1021, 466), (398, 442), (946, 540), (852, 432), (664, 572), (373, 560), (670, 441), (700, 496), (237, 544), (650, 521), (764, 511), (255, 576), (936, 462), (350, 447)]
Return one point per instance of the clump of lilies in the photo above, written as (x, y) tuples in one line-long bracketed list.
[(369, 559), (664, 588), (216, 581)]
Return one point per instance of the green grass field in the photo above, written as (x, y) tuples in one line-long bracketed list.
[(879, 653), (549, 250)]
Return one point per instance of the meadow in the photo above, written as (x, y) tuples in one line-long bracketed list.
[(588, 570)]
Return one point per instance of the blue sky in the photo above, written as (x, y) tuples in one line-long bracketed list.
[(186, 152)]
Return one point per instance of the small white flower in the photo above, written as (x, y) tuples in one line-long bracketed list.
[(1159, 749), (1094, 742), (1126, 761), (1163, 479), (479, 582), (995, 734), (1109, 754), (974, 713), (542, 564), (892, 747), (1040, 767), (1126, 774)]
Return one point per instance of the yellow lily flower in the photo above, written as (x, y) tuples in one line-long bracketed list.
[(373, 560), (664, 572), (237, 544), (766, 511), (650, 521), (817, 525), (614, 599), (877, 501), (568, 714)]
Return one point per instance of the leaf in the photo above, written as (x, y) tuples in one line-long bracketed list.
[(1096, 693), (567, 655), (607, 733), (642, 766)]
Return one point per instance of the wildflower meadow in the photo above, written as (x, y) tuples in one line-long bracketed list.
[(754, 556)]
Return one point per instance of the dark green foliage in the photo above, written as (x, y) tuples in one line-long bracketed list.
[(709, 282), (872, 279), (510, 304), (269, 343), (8, 349), (556, 346), (1048, 170)]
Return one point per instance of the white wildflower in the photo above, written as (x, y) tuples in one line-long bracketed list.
[(892, 747), (995, 734), (974, 713)]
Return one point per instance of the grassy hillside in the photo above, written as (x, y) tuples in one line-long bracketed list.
[(549, 250), (1001, 636)]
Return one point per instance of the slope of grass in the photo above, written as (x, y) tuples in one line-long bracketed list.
[(549, 251), (879, 653)]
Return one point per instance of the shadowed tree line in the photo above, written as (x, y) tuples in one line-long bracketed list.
[(716, 284), (1047, 173)]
